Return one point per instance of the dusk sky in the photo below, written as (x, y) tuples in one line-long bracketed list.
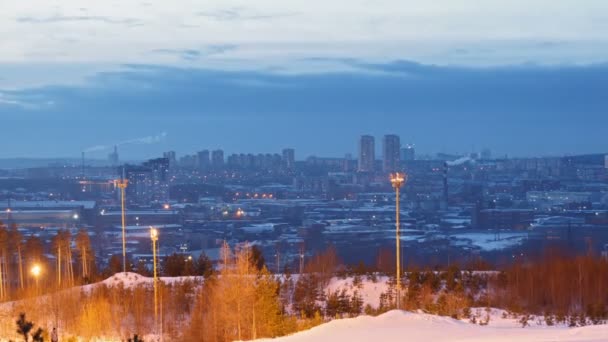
[(518, 77)]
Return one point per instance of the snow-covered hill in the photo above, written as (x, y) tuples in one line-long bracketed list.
[(418, 327)]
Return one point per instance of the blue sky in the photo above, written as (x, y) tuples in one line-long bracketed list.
[(257, 76)]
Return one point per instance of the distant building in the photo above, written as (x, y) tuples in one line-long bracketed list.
[(408, 153), (367, 153), (172, 157), (348, 158), (503, 218), (148, 183), (217, 159), (486, 154), (391, 149), (550, 198), (289, 158), (203, 160)]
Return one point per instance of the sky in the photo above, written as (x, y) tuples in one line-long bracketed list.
[(518, 77)]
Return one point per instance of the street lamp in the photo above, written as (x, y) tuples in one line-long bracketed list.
[(397, 181), (122, 185), (154, 238), (36, 270)]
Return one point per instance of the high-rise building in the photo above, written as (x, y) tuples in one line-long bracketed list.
[(367, 153), (203, 160), (217, 159), (172, 157), (148, 183), (391, 148), (289, 158), (188, 161), (408, 153), (486, 154)]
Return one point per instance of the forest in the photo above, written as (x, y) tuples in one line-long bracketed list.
[(239, 299)]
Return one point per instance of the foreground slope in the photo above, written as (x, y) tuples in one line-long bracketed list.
[(416, 327)]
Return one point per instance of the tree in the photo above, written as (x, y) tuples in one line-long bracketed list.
[(324, 264), (4, 271), (16, 243), (83, 245), (257, 258), (203, 266), (62, 248), (306, 294), (34, 249), (173, 265), (24, 327), (115, 265)]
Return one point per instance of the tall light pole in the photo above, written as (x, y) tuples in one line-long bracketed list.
[(122, 185), (154, 237), (397, 180), (36, 270)]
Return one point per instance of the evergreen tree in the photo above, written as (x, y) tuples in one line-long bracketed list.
[(16, 244), (257, 258), (24, 327), (203, 266)]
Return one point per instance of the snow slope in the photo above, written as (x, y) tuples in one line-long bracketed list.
[(413, 327)]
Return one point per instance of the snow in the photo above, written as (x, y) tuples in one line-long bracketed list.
[(488, 241), (412, 327), (369, 291), (130, 280)]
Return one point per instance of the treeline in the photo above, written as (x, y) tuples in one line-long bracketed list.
[(73, 262), (108, 312), (67, 260), (558, 285), (241, 300)]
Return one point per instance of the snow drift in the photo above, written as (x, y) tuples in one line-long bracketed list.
[(413, 327)]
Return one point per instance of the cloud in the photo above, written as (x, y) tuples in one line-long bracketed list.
[(521, 109), (30, 103), (78, 18), (152, 139), (195, 54), (241, 13), (148, 140)]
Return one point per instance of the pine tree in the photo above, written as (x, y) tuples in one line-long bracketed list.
[(203, 266), (83, 245), (16, 243), (4, 257), (24, 327)]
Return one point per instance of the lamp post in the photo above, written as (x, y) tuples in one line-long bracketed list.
[(154, 237), (122, 185), (36, 270), (397, 181)]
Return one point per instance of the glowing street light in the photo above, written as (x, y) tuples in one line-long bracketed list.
[(154, 238), (122, 185), (397, 181), (36, 271)]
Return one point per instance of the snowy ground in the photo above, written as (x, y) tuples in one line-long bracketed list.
[(413, 327)]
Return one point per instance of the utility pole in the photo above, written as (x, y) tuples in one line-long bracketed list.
[(122, 185), (301, 260), (397, 180)]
